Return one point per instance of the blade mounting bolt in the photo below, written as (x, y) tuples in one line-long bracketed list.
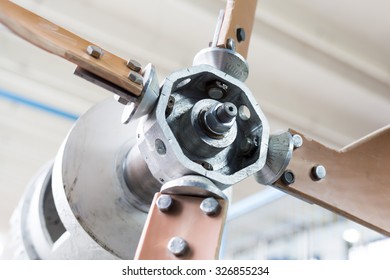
[(94, 51)]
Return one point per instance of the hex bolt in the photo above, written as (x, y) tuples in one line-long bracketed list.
[(240, 34), (178, 246), (318, 172), (164, 203), (134, 65), (288, 177), (210, 206), (227, 112), (231, 44), (297, 141), (94, 51), (220, 118), (136, 77)]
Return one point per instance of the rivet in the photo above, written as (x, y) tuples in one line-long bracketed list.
[(210, 206), (319, 172), (164, 203), (178, 246), (297, 141), (288, 177)]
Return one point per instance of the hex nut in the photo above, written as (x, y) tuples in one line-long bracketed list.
[(94, 51), (134, 65), (135, 77)]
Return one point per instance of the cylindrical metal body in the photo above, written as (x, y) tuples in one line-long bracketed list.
[(91, 213)]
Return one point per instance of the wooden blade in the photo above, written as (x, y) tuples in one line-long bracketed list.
[(186, 220), (357, 182), (237, 24), (54, 39)]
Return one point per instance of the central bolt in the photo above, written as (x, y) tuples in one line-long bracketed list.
[(227, 112), (220, 117)]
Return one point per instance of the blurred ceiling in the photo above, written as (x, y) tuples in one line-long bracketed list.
[(321, 67)]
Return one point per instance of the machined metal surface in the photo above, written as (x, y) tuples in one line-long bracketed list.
[(226, 60), (280, 150), (188, 148), (194, 186), (89, 184)]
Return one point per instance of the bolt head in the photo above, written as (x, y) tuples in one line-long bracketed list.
[(231, 44), (297, 141), (216, 93), (164, 203), (94, 51), (240, 34), (135, 77), (210, 206), (319, 172), (134, 65), (288, 177), (178, 246)]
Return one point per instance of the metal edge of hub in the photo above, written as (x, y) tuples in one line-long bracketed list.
[(148, 98), (93, 201), (155, 127), (280, 150), (228, 61), (194, 186), (29, 237)]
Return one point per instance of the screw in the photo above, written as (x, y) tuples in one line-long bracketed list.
[(210, 206), (135, 77), (134, 65), (288, 177), (164, 203), (94, 51), (297, 140), (319, 172), (231, 44), (240, 34), (178, 246)]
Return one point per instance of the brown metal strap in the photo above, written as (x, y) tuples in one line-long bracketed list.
[(54, 39), (357, 182), (184, 220), (237, 24)]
